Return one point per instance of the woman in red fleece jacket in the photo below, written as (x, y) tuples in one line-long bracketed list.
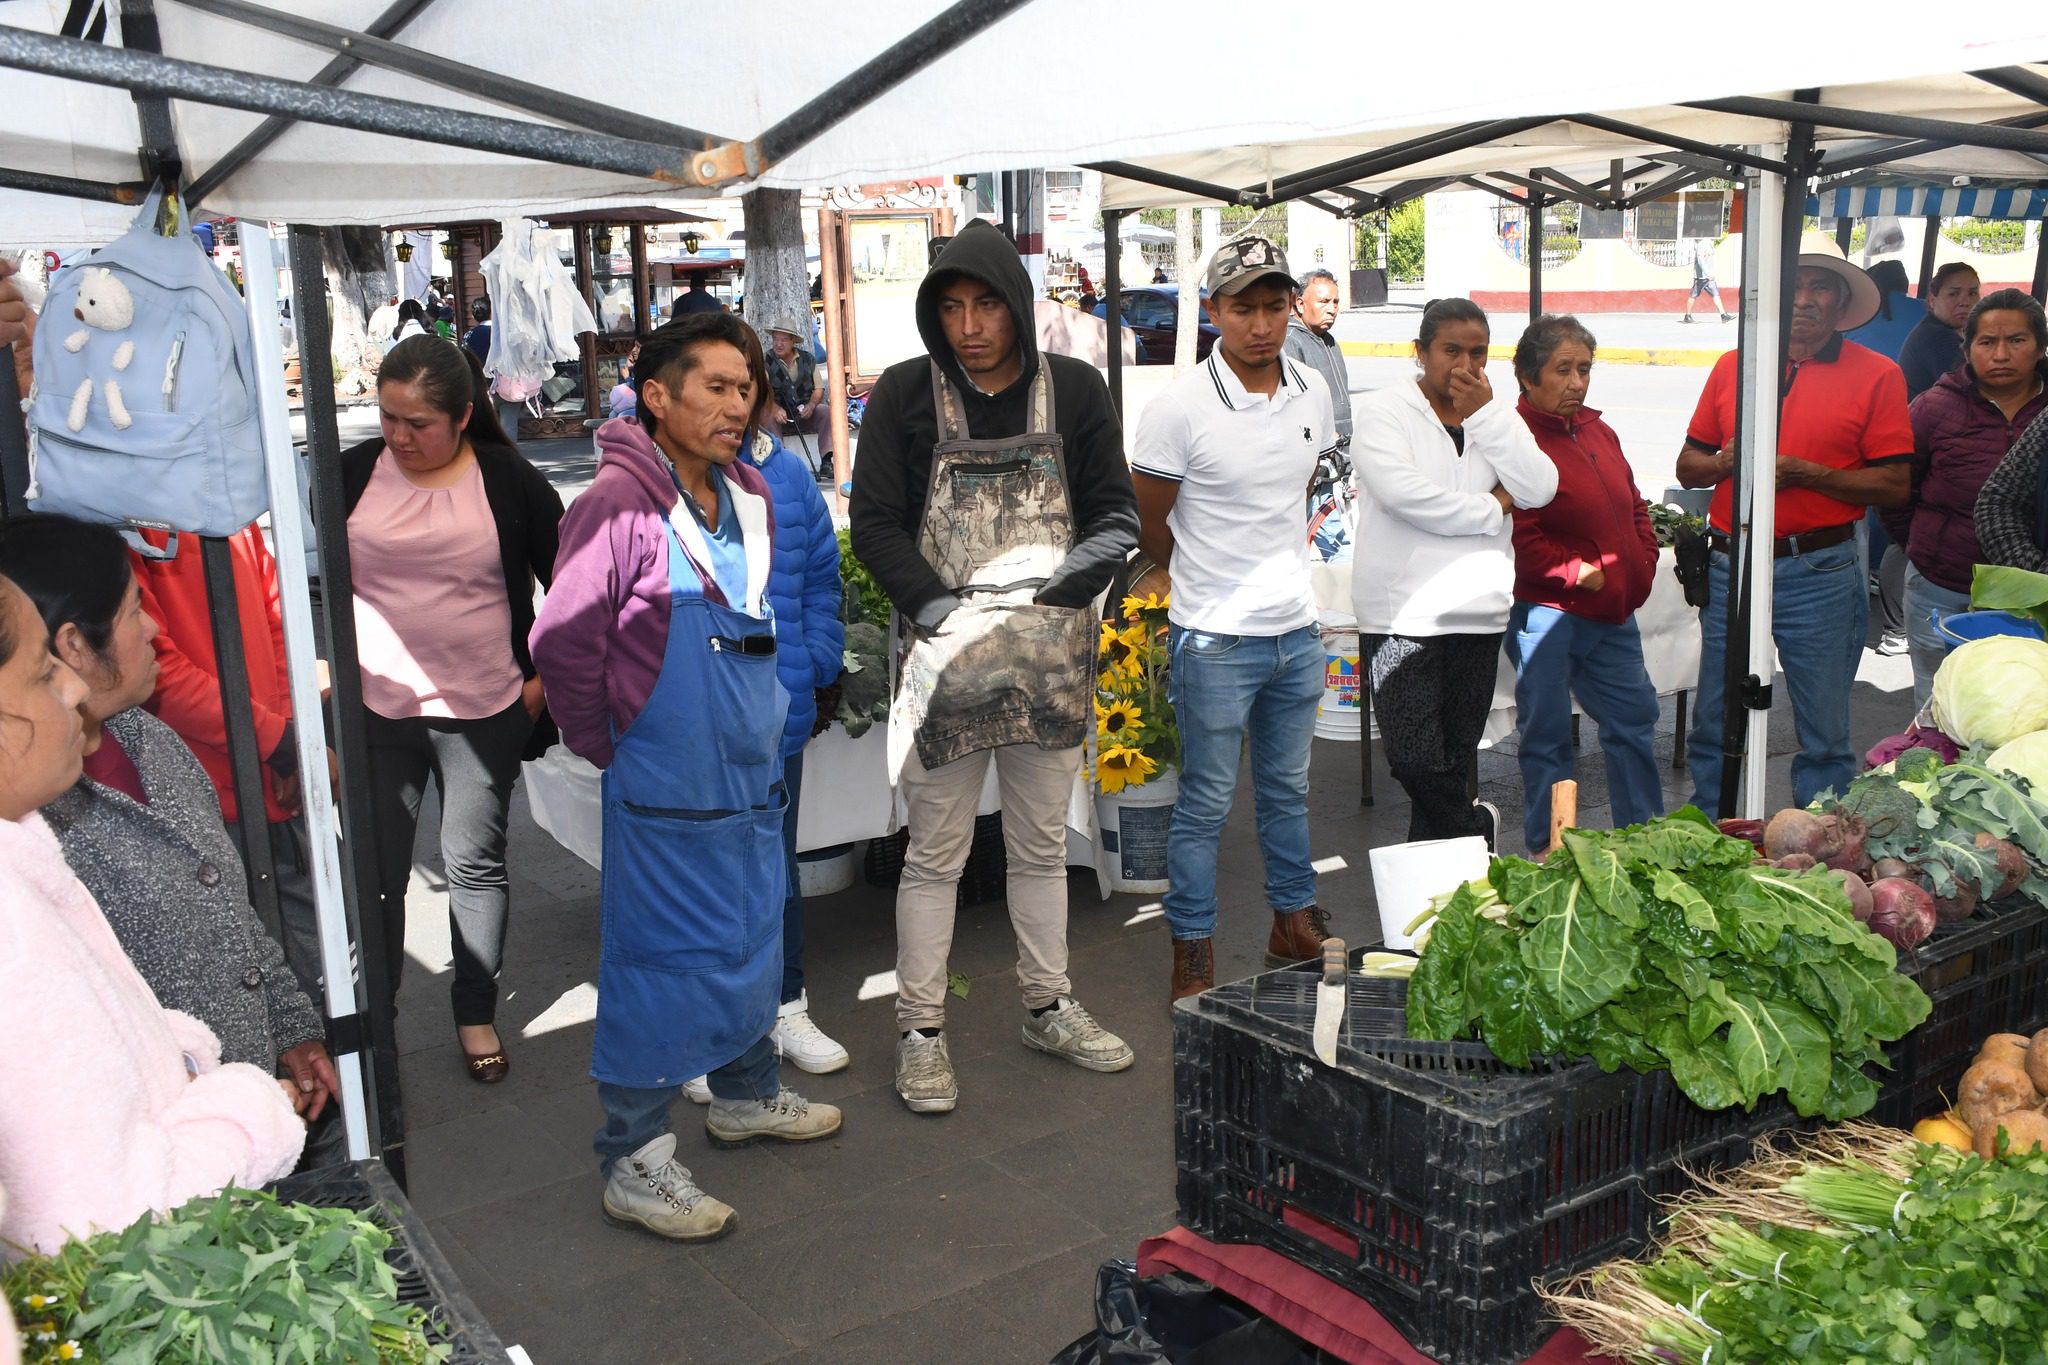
[(1583, 564)]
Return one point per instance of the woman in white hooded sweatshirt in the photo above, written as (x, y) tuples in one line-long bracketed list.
[(1441, 468)]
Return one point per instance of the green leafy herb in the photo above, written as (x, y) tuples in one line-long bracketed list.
[(1665, 946), (1998, 587)]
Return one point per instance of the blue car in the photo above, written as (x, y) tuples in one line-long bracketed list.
[(1153, 312)]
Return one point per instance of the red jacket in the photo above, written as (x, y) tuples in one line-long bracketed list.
[(188, 680), (1597, 517)]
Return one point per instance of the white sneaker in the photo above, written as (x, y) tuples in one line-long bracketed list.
[(649, 1190), (1066, 1030), (698, 1091), (924, 1074), (803, 1042)]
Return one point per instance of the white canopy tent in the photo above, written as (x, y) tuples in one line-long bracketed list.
[(381, 111)]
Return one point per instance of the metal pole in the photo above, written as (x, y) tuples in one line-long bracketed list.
[(1928, 242), (148, 74), (1845, 228), (1113, 299), (70, 187), (238, 716), (13, 439), (2040, 290), (337, 610), (1532, 242), (838, 348), (2002, 136), (332, 877)]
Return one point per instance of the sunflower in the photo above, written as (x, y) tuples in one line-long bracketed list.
[(1116, 721), (1118, 767), (1151, 601), (1122, 651)]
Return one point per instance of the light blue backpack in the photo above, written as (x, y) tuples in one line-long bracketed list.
[(144, 406)]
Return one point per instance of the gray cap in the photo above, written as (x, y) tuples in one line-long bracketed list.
[(1244, 262)]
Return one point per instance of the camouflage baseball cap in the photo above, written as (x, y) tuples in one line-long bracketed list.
[(1244, 262)]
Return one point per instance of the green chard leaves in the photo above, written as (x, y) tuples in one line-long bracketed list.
[(1664, 945)]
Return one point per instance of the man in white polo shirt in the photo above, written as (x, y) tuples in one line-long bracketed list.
[(1222, 461)]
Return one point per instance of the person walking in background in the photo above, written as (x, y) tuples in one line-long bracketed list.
[(1440, 467), (1976, 469), (992, 575), (478, 337), (1845, 444), (1703, 279), (1309, 341), (1584, 564), (658, 647), (1935, 345), (448, 527), (1220, 463)]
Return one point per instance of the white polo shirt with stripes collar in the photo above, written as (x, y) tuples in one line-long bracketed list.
[(1240, 521)]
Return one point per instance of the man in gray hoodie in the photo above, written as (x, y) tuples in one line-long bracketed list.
[(992, 504)]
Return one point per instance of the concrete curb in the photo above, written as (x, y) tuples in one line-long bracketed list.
[(1609, 355)]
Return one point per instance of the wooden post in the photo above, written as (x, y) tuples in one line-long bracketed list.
[(1564, 808), (838, 350)]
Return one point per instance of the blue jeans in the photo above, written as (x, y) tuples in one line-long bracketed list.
[(1225, 688), (633, 1118), (793, 903), (1557, 656), (1927, 645), (1820, 612)]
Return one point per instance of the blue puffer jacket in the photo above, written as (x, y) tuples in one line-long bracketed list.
[(803, 587)]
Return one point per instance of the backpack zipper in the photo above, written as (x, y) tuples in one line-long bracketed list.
[(171, 373)]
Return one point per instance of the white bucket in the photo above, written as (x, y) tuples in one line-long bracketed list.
[(1406, 876), (1337, 714), (1132, 825), (825, 871)]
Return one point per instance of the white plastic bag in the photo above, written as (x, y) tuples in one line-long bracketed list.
[(536, 311), (563, 791)]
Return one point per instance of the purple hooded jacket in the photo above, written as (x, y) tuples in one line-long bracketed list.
[(599, 639), (1959, 436)]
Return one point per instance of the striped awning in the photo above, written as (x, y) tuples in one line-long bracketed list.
[(1923, 201)]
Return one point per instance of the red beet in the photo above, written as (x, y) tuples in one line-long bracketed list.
[(1890, 867), (1851, 856), (1901, 911), (1752, 830), (1949, 909), (1858, 892), (1801, 831), (1797, 862), (2012, 865)]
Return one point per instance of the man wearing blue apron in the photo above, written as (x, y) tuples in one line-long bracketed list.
[(659, 656), (992, 504)]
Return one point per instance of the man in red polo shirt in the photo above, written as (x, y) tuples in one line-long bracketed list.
[(1844, 443)]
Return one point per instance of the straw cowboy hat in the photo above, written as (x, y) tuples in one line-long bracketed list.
[(1862, 296)]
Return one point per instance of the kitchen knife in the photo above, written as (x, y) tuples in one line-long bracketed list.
[(1330, 993)]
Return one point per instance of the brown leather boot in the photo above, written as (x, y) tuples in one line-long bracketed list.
[(1194, 967), (1297, 936)]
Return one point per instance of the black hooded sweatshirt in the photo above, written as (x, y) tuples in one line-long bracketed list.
[(894, 461)]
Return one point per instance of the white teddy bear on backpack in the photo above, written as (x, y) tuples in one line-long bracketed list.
[(103, 302)]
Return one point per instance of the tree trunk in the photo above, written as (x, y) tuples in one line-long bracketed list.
[(1186, 263), (357, 282), (778, 284)]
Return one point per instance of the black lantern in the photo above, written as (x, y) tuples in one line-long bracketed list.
[(691, 241), (403, 251), (601, 241), (447, 249)]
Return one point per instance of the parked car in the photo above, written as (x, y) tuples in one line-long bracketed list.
[(1153, 312)]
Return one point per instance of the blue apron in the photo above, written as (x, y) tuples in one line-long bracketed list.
[(690, 973)]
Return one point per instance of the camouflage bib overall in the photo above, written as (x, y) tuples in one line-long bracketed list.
[(1001, 669)]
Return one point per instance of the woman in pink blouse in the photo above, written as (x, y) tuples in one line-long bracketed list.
[(448, 529)]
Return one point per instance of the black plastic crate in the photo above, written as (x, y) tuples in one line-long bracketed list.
[(423, 1274), (1985, 974), (982, 880)]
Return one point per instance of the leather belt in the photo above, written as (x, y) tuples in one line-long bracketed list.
[(1784, 547)]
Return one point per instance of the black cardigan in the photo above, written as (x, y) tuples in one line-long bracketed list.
[(529, 516)]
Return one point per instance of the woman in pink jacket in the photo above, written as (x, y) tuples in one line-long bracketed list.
[(110, 1105)]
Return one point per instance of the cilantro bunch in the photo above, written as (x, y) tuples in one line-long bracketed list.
[(1665, 946)]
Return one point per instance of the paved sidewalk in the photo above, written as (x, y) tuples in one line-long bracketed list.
[(1625, 338)]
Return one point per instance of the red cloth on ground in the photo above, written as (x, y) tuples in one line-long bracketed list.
[(1309, 1305)]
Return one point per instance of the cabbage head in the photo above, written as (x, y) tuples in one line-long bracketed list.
[(2027, 757), (1992, 691)]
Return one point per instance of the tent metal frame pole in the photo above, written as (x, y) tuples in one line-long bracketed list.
[(1845, 228), (1532, 242), (147, 73), (160, 160), (2040, 287), (13, 439), (1720, 156), (2016, 80), (1657, 189), (1166, 180), (1393, 159), (387, 25), (902, 59), (1930, 239), (70, 187), (1999, 136), (1113, 289), (337, 611), (1535, 183), (371, 49), (325, 868), (238, 714)]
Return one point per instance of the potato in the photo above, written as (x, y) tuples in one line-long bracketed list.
[(2037, 1060), (2010, 1048), (2025, 1130), (1992, 1088)]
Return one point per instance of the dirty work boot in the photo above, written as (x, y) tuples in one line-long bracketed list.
[(789, 1117), (1066, 1030), (649, 1190), (1297, 936), (1194, 967), (924, 1073)]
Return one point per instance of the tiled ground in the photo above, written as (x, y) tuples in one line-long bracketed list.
[(969, 1237)]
